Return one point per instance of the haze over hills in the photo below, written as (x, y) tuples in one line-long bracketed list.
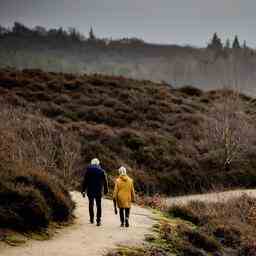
[(231, 64)]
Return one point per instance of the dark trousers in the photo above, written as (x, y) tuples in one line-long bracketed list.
[(91, 208), (124, 214)]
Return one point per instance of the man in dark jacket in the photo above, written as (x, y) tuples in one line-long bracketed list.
[(95, 180)]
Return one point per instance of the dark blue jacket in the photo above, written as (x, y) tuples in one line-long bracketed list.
[(95, 179)]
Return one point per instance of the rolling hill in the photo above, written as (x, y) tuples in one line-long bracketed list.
[(156, 131)]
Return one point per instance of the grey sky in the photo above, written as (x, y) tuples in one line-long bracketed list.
[(161, 21)]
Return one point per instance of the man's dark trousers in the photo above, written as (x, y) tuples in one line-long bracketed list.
[(91, 208)]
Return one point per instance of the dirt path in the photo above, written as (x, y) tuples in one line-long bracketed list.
[(211, 197), (82, 238)]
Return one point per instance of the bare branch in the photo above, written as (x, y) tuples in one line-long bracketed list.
[(228, 129)]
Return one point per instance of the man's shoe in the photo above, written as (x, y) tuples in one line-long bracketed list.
[(91, 221), (122, 225), (98, 224)]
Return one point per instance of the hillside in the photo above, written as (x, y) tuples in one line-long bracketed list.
[(158, 132)]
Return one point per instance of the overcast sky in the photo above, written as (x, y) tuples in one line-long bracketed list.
[(161, 21)]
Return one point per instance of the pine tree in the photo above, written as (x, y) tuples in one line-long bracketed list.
[(236, 44), (245, 45), (227, 44), (215, 43), (91, 34), (20, 29)]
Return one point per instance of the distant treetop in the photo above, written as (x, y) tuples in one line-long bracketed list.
[(91, 34), (215, 43), (236, 44), (227, 44)]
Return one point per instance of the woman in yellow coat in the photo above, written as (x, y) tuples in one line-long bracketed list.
[(123, 196)]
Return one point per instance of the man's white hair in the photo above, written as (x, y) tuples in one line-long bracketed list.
[(95, 161), (122, 171)]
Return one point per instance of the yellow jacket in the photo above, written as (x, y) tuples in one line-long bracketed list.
[(124, 193)]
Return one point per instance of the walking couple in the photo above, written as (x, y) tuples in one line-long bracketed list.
[(95, 183)]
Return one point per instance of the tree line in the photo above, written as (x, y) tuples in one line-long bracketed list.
[(216, 43), (73, 34)]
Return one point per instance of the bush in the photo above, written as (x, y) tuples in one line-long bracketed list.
[(155, 202), (57, 198), (151, 251), (228, 236), (30, 201), (22, 208), (249, 249), (189, 250), (132, 140), (31, 149), (191, 91), (202, 241), (185, 213)]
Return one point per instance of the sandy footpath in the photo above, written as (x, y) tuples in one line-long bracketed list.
[(84, 239)]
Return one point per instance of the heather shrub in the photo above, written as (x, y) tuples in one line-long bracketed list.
[(190, 91), (155, 202), (57, 198), (249, 249), (151, 251), (185, 213), (22, 208), (132, 140), (32, 200), (228, 235), (183, 239), (161, 133), (202, 241)]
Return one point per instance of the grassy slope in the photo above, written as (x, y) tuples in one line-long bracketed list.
[(150, 128)]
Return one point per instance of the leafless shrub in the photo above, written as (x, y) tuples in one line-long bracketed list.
[(229, 132), (37, 142), (70, 152)]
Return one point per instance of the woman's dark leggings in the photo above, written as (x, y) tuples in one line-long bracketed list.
[(124, 214)]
